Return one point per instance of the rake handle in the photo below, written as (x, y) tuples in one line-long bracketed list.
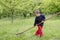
[(24, 31), (37, 24)]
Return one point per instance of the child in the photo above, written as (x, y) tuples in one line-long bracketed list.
[(40, 18)]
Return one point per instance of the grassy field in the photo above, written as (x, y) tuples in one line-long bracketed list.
[(8, 30)]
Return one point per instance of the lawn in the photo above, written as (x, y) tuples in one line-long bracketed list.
[(8, 30)]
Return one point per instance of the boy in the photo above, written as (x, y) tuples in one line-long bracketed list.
[(39, 21)]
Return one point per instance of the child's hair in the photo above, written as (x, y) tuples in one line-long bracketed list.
[(38, 11)]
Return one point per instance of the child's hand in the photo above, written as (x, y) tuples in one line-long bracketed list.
[(43, 21)]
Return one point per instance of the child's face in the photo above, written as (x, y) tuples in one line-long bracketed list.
[(36, 13)]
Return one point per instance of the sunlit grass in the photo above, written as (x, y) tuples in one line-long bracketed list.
[(8, 30)]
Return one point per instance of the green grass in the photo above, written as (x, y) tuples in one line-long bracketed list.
[(8, 30)]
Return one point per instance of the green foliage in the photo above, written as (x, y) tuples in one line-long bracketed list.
[(27, 7)]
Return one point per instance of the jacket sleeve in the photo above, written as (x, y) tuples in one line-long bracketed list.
[(35, 22), (43, 19)]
